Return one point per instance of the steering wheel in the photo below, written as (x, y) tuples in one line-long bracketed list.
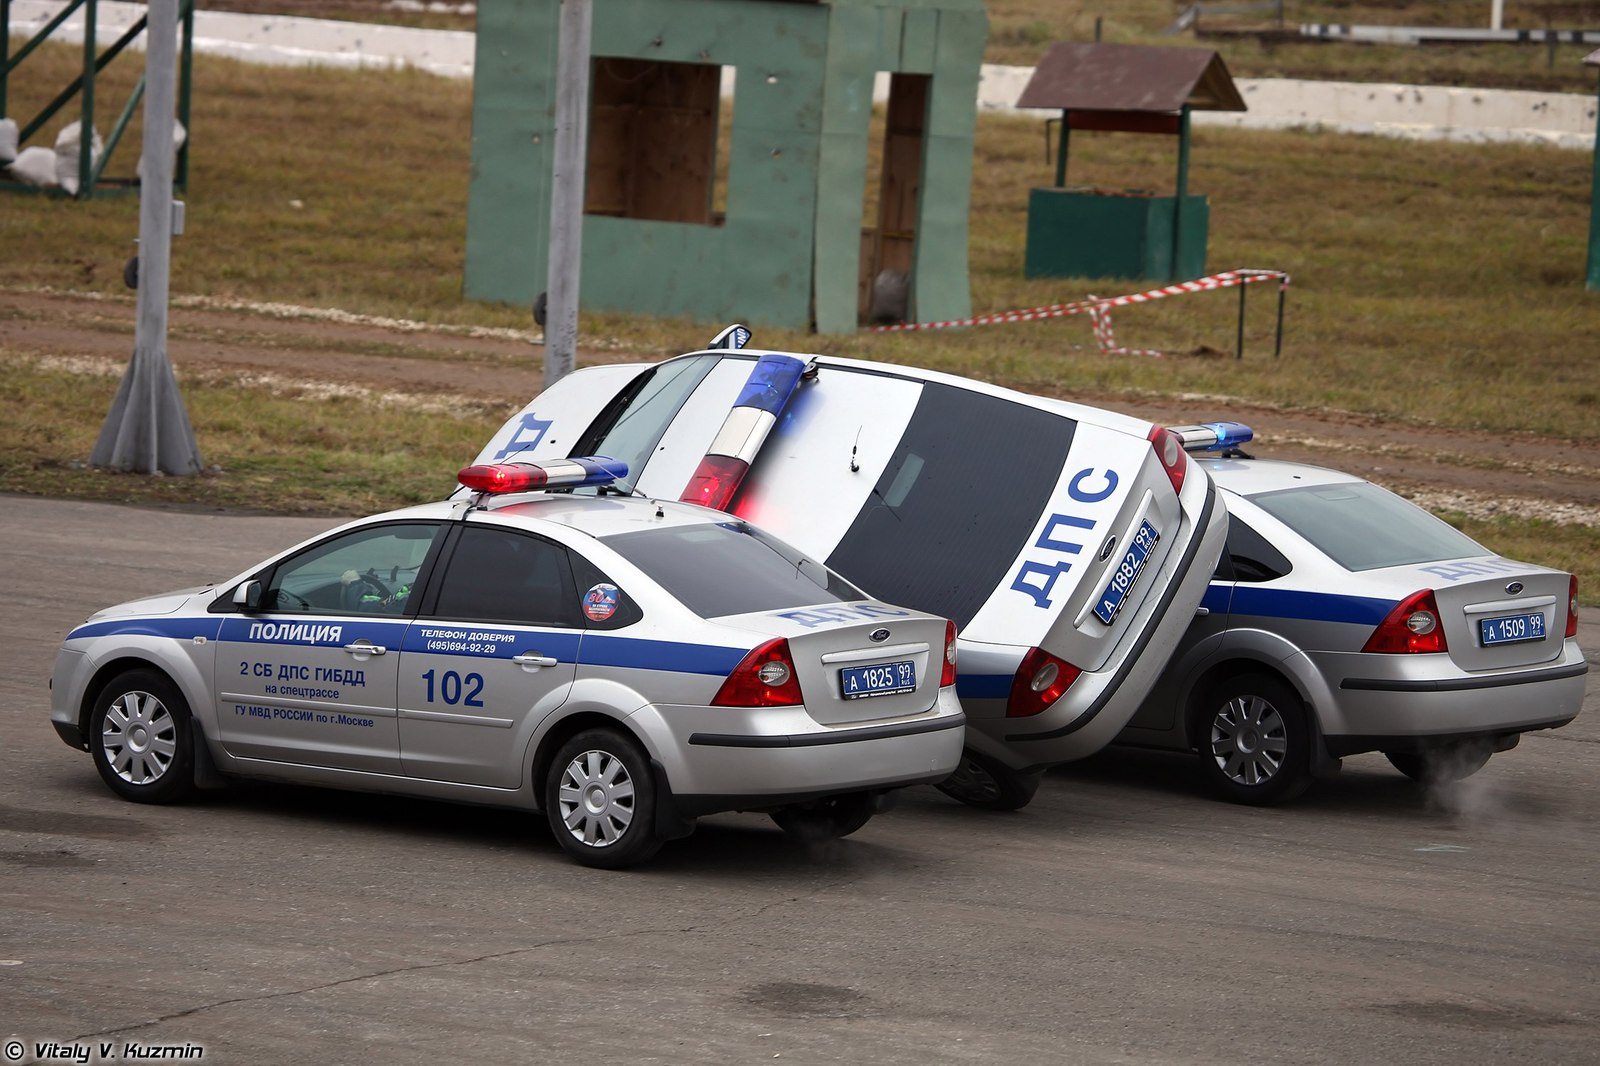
[(289, 601), (355, 592)]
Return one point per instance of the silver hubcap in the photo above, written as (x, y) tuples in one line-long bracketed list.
[(596, 798), (1249, 740), (139, 737)]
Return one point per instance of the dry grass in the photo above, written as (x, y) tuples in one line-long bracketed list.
[(1434, 283)]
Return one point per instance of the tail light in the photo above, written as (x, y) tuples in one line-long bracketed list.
[(1168, 447), (1039, 682), (1572, 607), (1413, 626), (764, 678), (947, 676)]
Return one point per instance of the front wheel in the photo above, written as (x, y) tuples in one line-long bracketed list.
[(139, 735), (599, 797), (1255, 740), (829, 819), (1442, 764), (979, 781)]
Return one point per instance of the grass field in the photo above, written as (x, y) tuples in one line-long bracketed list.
[(1433, 283)]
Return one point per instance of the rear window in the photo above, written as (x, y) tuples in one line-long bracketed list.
[(1363, 527), (959, 497), (730, 568), (631, 427)]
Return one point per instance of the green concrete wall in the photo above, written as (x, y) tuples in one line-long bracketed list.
[(788, 251)]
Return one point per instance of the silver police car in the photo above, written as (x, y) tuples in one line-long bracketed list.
[(1345, 619), (621, 663), (1071, 545)]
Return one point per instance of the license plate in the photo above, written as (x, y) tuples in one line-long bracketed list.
[(1127, 572), (857, 682), (1512, 629)]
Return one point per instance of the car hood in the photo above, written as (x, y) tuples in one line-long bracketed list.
[(164, 603)]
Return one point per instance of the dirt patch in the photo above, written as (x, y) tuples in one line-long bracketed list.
[(1485, 472)]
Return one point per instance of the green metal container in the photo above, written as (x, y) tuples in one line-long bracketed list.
[(1076, 233)]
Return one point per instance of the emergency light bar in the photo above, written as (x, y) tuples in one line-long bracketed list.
[(1212, 436), (736, 444), (501, 478)]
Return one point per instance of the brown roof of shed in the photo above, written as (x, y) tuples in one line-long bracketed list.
[(1130, 77)]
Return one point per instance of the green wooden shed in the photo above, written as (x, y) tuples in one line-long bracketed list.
[(760, 221)]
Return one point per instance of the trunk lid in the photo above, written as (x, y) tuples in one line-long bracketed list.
[(840, 666), (1497, 613)]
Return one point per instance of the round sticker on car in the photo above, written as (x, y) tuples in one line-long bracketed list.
[(600, 602)]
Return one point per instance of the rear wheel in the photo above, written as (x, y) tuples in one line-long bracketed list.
[(1442, 764), (139, 735), (829, 819), (1255, 740), (979, 781), (599, 797)]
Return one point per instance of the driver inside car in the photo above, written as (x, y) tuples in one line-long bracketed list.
[(367, 594)]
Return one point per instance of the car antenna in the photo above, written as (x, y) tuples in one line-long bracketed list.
[(855, 467)]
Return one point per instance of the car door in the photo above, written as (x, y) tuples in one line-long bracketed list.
[(309, 678), (495, 650)]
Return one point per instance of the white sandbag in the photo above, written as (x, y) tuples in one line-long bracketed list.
[(179, 135), (8, 140), (35, 166), (68, 142)]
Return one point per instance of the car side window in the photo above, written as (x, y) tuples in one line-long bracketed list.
[(501, 575), (632, 425), (1250, 557), (366, 571)]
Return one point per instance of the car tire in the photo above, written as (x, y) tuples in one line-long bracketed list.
[(140, 737), (829, 819), (1441, 765), (979, 781), (1254, 737), (599, 797)]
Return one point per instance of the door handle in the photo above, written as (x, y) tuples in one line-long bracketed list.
[(363, 648), (533, 658)]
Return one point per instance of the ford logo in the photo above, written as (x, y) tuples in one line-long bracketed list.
[(1513, 587), (1108, 547), (878, 636)]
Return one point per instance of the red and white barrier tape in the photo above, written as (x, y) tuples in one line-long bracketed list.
[(1098, 308)]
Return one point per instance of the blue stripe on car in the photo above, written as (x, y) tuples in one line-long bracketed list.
[(1309, 606), (983, 686), (640, 654), (175, 628)]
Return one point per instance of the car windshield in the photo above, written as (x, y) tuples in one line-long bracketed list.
[(1363, 527), (730, 568)]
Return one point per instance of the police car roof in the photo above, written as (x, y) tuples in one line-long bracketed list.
[(1251, 477), (598, 516)]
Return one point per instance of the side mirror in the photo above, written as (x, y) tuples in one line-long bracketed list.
[(247, 597)]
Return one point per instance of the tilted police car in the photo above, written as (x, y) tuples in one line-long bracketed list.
[(1345, 619), (621, 663), (1070, 545)]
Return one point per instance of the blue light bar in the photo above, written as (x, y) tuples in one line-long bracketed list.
[(771, 383), (1213, 436)]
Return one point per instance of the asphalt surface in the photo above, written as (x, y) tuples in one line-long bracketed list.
[(1123, 917)]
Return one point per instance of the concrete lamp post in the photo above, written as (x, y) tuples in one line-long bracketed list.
[(148, 429)]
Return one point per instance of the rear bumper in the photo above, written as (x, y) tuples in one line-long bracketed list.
[(779, 756), (1382, 703)]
